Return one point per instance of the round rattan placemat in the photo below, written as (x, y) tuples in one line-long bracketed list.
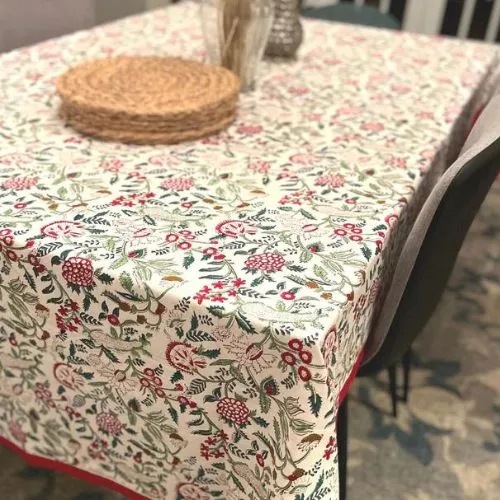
[(148, 100)]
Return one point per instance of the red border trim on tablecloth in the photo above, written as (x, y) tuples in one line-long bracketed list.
[(89, 477), (350, 379)]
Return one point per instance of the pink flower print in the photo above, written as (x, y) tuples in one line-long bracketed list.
[(178, 183), (391, 220), (109, 422), (296, 198), (261, 167), (16, 431), (268, 262), (313, 117), (396, 161), (57, 229), (213, 140), (78, 271), (248, 129), (298, 90), (305, 158), (348, 111), (181, 356), (132, 199), (233, 410), (20, 183), (234, 228), (373, 127), (164, 160), (112, 165), (331, 180), (425, 115), (400, 88), (15, 159)]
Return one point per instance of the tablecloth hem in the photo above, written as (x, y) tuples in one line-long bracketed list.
[(350, 379), (89, 477)]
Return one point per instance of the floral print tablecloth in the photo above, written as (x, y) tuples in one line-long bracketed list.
[(181, 320)]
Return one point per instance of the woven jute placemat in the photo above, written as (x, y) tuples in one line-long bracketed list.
[(148, 100)]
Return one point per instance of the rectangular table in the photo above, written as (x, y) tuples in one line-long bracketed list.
[(182, 320)]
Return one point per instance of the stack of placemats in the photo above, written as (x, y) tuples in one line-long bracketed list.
[(148, 100)]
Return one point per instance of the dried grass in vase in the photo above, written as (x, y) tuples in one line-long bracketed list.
[(243, 27)]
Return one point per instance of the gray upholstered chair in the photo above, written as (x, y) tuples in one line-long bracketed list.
[(429, 255)]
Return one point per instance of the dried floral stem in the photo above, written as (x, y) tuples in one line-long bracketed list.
[(234, 21)]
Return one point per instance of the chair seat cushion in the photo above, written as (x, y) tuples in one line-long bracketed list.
[(353, 14)]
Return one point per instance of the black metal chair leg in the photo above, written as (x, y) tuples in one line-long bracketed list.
[(393, 386), (342, 448), (406, 375)]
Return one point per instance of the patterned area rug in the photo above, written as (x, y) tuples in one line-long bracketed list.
[(445, 443)]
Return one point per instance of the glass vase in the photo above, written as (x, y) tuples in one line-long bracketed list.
[(236, 34), (286, 33)]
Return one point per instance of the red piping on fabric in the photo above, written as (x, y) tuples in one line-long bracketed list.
[(89, 477), (347, 385)]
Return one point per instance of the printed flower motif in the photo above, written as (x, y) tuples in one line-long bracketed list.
[(221, 333), (190, 491), (68, 229), (373, 127), (329, 346), (66, 317), (181, 356), (44, 395), (233, 411), (270, 387), (178, 184), (299, 90), (15, 159), (396, 161), (108, 422), (16, 431), (259, 166), (305, 158), (234, 228), (214, 446), (132, 199), (297, 198), (98, 449), (268, 262), (66, 376), (78, 271), (330, 448), (247, 129), (167, 160), (331, 181), (114, 165), (249, 354), (20, 183), (287, 295)]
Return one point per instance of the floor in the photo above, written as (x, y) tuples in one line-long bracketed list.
[(445, 444)]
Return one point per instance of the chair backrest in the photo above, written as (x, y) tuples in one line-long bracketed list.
[(24, 22), (430, 252)]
